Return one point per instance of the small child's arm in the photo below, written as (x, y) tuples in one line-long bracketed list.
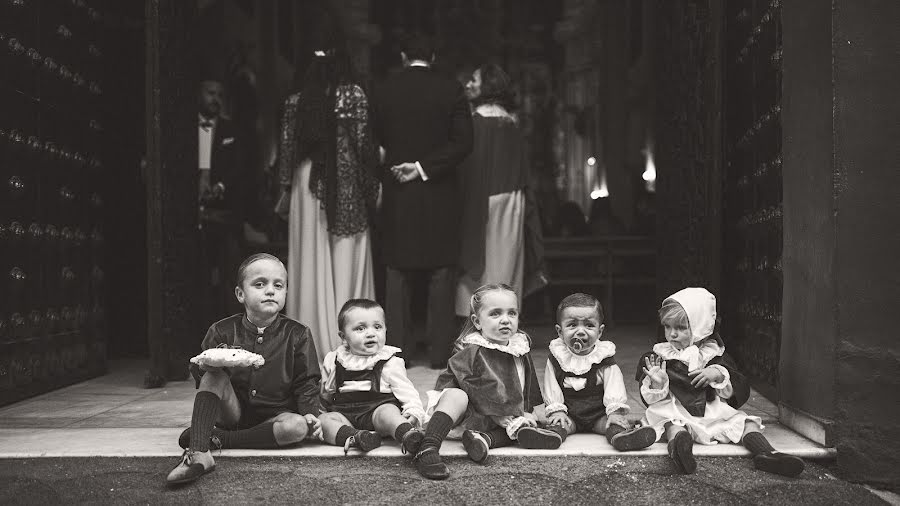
[(615, 398), (553, 394), (653, 378), (394, 375), (305, 382)]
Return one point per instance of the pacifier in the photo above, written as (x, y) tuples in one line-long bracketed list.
[(576, 345)]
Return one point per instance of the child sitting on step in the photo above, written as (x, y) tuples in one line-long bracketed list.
[(492, 367), (583, 387), (270, 407), (365, 390), (692, 389)]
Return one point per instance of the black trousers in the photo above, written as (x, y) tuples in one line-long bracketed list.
[(439, 322)]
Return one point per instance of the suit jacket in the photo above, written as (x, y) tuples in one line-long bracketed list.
[(228, 166), (421, 116)]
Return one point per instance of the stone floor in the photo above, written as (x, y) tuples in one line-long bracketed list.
[(113, 415)]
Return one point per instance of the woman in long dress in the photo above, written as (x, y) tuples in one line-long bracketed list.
[(500, 229), (326, 163)]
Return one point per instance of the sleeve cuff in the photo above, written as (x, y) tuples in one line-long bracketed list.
[(617, 406), (556, 407), (421, 171), (646, 388), (416, 412), (515, 425), (725, 382)]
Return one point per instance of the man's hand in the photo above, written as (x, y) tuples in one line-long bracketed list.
[(315, 427), (405, 172), (706, 376)]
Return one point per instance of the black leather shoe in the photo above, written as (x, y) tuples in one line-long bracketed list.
[(681, 449), (634, 439), (429, 467), (779, 463), (411, 441)]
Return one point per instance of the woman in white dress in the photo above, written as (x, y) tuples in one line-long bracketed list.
[(326, 167)]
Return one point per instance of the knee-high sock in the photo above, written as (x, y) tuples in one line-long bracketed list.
[(260, 437), (498, 438), (402, 429), (438, 428), (203, 419), (757, 443)]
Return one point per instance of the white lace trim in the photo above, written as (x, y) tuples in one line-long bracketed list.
[(693, 356), (580, 364), (494, 111), (361, 363), (518, 344)]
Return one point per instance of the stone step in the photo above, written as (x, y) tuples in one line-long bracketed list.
[(162, 442)]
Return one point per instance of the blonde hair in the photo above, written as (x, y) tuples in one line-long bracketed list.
[(672, 311), (476, 301)]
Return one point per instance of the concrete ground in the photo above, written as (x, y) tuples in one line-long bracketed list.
[(59, 448)]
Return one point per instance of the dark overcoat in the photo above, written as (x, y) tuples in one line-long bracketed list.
[(425, 117)]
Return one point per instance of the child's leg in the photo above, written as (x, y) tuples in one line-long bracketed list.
[(214, 402), (681, 448), (339, 431), (621, 436), (450, 408), (765, 458), (389, 422)]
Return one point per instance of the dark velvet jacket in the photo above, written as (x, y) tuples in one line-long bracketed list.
[(489, 378), (693, 399), (290, 377)]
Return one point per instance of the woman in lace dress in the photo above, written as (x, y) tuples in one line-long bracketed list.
[(326, 163), (502, 241)]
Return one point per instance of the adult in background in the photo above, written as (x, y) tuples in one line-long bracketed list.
[(222, 197), (501, 230), (424, 125), (326, 167)]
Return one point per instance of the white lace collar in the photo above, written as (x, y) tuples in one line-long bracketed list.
[(693, 356), (494, 111), (360, 362), (580, 364), (518, 344)]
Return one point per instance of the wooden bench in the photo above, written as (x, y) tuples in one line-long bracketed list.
[(599, 263)]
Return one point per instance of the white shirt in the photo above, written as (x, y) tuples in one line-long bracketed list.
[(204, 146)]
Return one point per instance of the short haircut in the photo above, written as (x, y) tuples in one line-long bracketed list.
[(418, 47), (672, 311), (242, 269), (579, 300), (354, 304)]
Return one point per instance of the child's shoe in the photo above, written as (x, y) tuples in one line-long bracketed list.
[(411, 441), (681, 449), (365, 440), (779, 463), (636, 438), (184, 440), (429, 464), (192, 466), (536, 438), (476, 445)]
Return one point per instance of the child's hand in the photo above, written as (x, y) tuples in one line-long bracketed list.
[(315, 427), (704, 377), (655, 369), (415, 422), (560, 418), (531, 420)]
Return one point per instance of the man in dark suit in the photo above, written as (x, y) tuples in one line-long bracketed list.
[(422, 121), (222, 199)]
